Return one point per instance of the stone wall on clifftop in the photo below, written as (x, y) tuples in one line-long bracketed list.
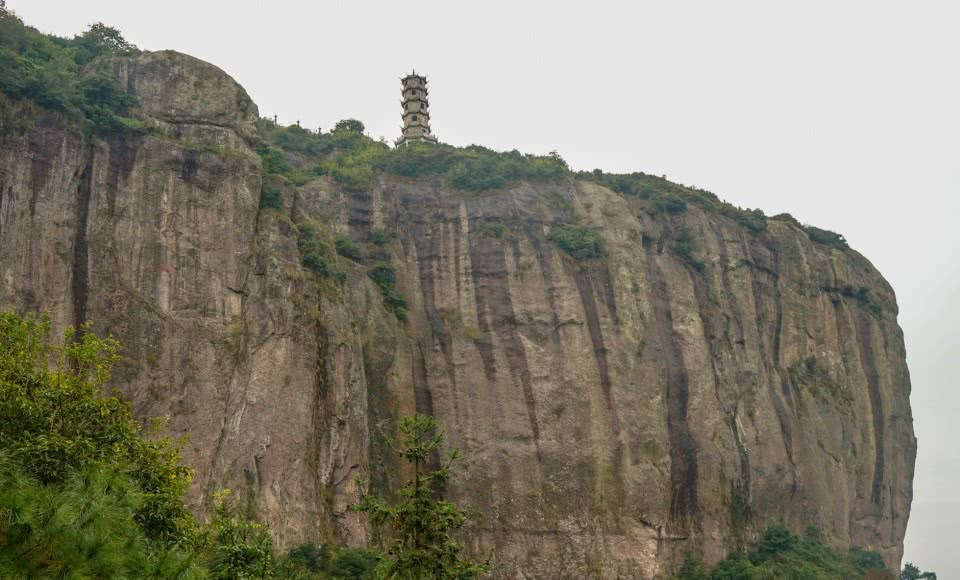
[(614, 413)]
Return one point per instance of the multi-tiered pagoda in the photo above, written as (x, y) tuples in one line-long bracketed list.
[(416, 113)]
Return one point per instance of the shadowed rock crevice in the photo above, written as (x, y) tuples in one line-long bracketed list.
[(683, 450), (80, 283), (496, 316), (865, 342)]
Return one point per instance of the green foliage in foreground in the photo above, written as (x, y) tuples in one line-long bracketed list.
[(782, 555), (84, 527), (63, 74), (580, 242), (54, 424), (422, 547)]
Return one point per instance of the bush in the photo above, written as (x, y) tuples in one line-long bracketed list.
[(317, 254), (348, 248), (685, 247), (385, 277), (273, 160), (351, 125), (663, 196), (380, 237), (669, 204), (826, 237), (781, 554), (487, 229), (270, 195), (419, 524), (862, 295), (82, 527), (241, 548), (809, 373), (693, 569), (785, 217), (580, 242)]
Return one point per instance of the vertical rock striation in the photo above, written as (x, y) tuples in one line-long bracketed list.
[(614, 413)]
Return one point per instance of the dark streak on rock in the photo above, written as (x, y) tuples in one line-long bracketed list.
[(784, 417), (81, 276), (583, 278), (496, 314), (865, 342), (426, 218), (683, 452)]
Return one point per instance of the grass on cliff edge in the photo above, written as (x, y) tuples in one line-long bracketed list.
[(353, 159)]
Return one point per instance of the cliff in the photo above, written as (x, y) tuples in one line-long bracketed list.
[(614, 413)]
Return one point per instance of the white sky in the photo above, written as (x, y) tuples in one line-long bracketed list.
[(846, 113)]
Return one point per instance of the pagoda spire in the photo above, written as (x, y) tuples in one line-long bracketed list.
[(416, 111)]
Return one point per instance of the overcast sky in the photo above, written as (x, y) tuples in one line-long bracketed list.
[(844, 113)]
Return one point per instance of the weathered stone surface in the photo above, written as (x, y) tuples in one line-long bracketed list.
[(188, 96), (613, 413)]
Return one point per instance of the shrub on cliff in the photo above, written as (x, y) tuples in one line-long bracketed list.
[(348, 248), (318, 253), (664, 196), (685, 247), (580, 242), (826, 237), (385, 277)]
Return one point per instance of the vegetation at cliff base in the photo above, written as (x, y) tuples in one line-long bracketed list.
[(782, 555), (420, 524), (65, 75), (87, 492), (84, 487)]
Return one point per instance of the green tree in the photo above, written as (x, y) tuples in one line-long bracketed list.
[(422, 547), (911, 572), (352, 125), (99, 40), (54, 421), (82, 528), (693, 568), (241, 549)]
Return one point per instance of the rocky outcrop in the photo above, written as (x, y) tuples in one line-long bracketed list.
[(613, 413)]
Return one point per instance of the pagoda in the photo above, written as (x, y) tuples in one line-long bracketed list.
[(416, 112)]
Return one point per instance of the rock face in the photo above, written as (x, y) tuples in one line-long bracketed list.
[(613, 413)]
